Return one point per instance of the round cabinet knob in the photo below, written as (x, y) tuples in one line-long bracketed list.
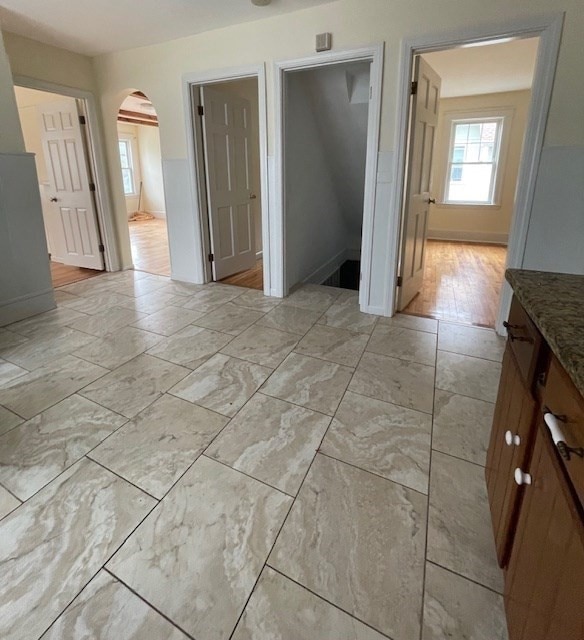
[(511, 439), (521, 477)]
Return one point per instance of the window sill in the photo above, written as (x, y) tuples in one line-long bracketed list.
[(470, 205)]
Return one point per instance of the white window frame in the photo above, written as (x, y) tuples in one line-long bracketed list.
[(503, 116), (130, 143)]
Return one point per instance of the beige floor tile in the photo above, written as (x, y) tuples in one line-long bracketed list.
[(346, 315), (383, 438), (309, 382), (167, 321), (411, 322), (46, 321), (153, 302), (8, 420), (280, 609), (408, 384), (405, 344), (271, 440), (97, 303), (212, 298), (467, 376), (197, 556), (135, 385), (58, 540), (462, 426), (357, 540), (257, 300), (107, 610), (312, 297), (460, 536), (191, 346), (334, 345), (10, 371), (222, 384), (159, 444), (34, 392), (230, 318), (115, 349), (184, 289), (290, 319), (471, 341), (7, 502), (262, 345), (140, 287), (36, 452), (107, 321), (457, 608), (9, 340)]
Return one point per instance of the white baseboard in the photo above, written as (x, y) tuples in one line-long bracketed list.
[(468, 236), (158, 214), (26, 306), (327, 269)]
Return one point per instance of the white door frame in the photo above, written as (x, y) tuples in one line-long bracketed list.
[(198, 186), (374, 53), (549, 29), (96, 159)]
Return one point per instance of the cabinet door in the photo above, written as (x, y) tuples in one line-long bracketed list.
[(544, 583), (509, 448)]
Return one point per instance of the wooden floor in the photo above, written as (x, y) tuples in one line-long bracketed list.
[(149, 240), (252, 278), (62, 274), (462, 283)]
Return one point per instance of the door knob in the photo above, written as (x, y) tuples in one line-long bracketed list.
[(521, 477), (252, 196), (431, 200), (54, 200), (511, 439)]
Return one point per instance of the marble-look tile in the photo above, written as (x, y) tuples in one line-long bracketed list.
[(35, 452), (153, 302), (230, 318), (405, 344), (335, 345), (468, 376), (383, 438), (271, 440), (46, 321), (91, 286), (257, 300), (135, 385), (262, 345), (312, 297), (58, 540), (42, 388), (457, 608), (63, 296), (97, 303), (346, 315), (462, 426), (158, 445), (167, 321), (471, 341), (10, 371), (9, 340), (408, 384), (183, 289), (7, 502), (280, 609), (460, 535), (8, 420), (212, 297), (191, 346), (222, 384), (115, 349), (107, 610), (417, 323), (290, 319), (197, 556), (357, 540), (106, 321), (309, 382), (140, 287), (48, 347)]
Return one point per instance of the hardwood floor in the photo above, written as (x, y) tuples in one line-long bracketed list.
[(62, 274), (149, 239), (462, 282), (252, 278)]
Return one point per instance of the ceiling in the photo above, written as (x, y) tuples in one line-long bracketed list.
[(492, 68), (93, 27)]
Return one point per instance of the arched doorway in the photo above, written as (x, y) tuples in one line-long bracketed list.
[(141, 165)]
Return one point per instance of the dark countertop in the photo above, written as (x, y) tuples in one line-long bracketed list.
[(555, 303)]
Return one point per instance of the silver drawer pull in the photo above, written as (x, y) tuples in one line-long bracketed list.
[(511, 439), (521, 477)]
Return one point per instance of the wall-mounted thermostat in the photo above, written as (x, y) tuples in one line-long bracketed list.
[(324, 41)]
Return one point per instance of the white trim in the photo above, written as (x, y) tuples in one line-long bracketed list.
[(102, 194), (549, 29), (457, 235), (375, 54), (222, 75)]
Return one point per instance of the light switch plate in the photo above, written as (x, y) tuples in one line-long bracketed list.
[(324, 41)]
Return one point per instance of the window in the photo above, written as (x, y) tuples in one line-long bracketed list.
[(127, 167), (473, 161)]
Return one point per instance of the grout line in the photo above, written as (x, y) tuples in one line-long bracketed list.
[(12, 494), (460, 575), (450, 455), (121, 477)]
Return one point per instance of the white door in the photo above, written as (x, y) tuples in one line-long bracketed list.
[(227, 131), (424, 120), (71, 201)]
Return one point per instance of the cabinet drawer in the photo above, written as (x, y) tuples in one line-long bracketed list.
[(525, 341)]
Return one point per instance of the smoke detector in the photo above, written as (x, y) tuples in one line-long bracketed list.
[(261, 3)]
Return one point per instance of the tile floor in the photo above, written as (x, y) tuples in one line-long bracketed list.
[(182, 461)]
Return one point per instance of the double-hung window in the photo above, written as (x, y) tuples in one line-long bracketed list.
[(125, 146), (473, 161)]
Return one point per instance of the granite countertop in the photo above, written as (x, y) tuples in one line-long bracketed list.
[(555, 303)]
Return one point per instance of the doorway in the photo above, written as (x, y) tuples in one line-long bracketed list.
[(469, 112), (55, 130), (141, 166)]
